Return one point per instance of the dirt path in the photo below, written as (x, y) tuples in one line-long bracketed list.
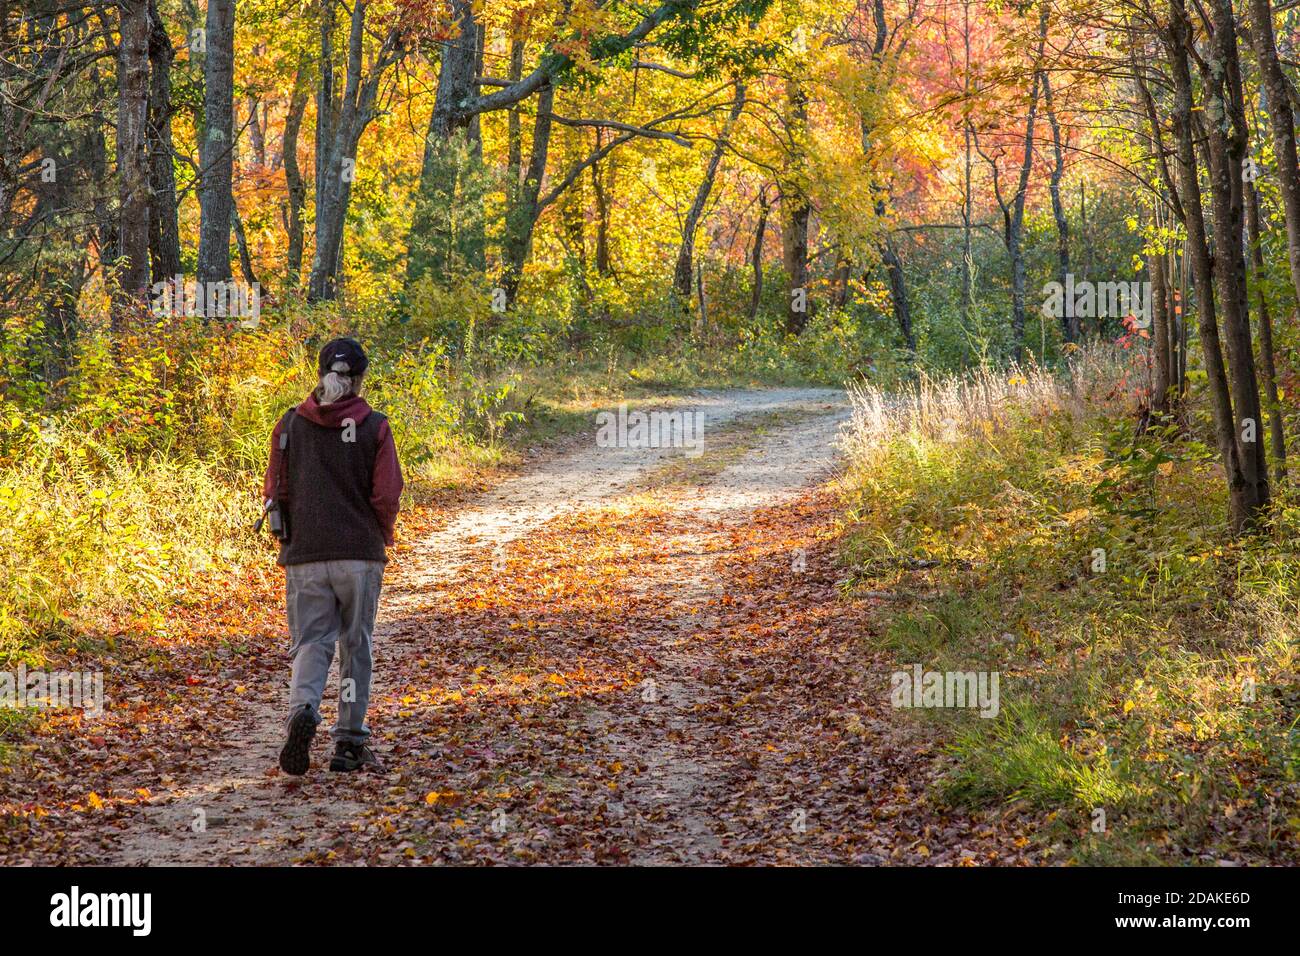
[(623, 655), (678, 793), (236, 807)]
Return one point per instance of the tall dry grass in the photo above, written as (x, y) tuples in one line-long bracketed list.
[(946, 408)]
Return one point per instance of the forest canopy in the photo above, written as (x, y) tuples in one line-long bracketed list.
[(869, 187)]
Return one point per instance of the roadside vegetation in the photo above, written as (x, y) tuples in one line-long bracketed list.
[(1018, 522)]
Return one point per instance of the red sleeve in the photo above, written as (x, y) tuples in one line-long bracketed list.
[(386, 483), (273, 463)]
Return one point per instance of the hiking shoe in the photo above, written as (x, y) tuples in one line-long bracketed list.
[(295, 755), (350, 757)]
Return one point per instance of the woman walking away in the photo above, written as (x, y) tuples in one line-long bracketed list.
[(331, 491)]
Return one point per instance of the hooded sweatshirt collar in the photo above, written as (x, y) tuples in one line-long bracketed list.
[(353, 407)]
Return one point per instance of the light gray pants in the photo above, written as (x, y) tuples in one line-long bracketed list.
[(333, 602)]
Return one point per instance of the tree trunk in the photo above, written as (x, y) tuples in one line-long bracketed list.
[(132, 153), (241, 242), (164, 236), (1282, 123), (1267, 366), (216, 152), (603, 267), (699, 294), (293, 180), (1226, 140), (345, 120), (573, 206), (514, 128), (1069, 321), (686, 252), (321, 282), (756, 255), (474, 181), (1016, 225), (1159, 335), (521, 220), (11, 146), (327, 108), (795, 244), (1178, 323), (898, 295), (62, 278), (256, 136), (794, 237), (106, 226), (840, 279), (967, 253), (1180, 270), (433, 234), (1240, 504), (62, 327)]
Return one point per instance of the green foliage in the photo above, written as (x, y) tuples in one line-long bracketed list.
[(1021, 757), (1131, 465)]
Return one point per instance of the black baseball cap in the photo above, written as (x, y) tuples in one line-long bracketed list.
[(344, 350)]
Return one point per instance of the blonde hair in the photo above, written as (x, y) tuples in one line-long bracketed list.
[(337, 384)]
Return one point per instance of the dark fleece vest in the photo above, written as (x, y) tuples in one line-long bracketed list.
[(328, 483)]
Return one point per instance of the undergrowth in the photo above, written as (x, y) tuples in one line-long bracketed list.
[(1147, 660), (132, 483)]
